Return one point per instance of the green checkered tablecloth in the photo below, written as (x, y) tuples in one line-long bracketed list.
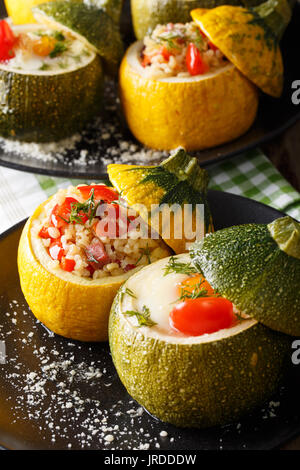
[(250, 174)]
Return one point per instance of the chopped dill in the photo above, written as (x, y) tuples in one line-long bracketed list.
[(175, 266), (143, 317)]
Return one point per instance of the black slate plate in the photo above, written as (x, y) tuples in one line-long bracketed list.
[(274, 116), (48, 403)]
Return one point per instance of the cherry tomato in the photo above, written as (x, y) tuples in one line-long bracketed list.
[(203, 315), (101, 192), (67, 264), (129, 267), (7, 42), (195, 63)]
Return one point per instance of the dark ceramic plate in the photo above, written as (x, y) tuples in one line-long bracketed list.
[(274, 116), (60, 394)]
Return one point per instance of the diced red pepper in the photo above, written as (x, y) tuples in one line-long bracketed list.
[(7, 42), (147, 58), (96, 254), (212, 46), (43, 233), (129, 267), (195, 63), (56, 250), (101, 192), (67, 264), (60, 214)]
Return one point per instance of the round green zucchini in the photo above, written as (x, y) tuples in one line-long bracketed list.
[(149, 13), (48, 106), (88, 22), (193, 381), (257, 267)]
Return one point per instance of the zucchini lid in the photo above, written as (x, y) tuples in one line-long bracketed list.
[(249, 38), (257, 267), (89, 23), (177, 181)]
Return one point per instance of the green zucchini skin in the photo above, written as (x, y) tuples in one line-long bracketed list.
[(246, 265), (44, 108), (147, 14), (94, 24), (198, 385)]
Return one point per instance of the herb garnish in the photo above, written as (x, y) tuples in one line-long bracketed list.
[(127, 291), (197, 292), (175, 266), (58, 36), (89, 207), (145, 252), (168, 38), (59, 48), (143, 317), (44, 67)]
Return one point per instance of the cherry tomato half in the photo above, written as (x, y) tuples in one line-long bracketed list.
[(7, 42), (194, 62), (101, 192), (203, 315)]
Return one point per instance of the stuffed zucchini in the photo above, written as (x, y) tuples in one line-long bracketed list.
[(48, 68), (196, 84), (44, 73), (75, 252), (185, 353)]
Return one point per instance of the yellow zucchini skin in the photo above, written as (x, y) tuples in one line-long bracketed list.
[(44, 108)]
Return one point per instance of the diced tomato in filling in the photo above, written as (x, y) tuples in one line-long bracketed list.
[(67, 264), (147, 58), (204, 314), (96, 254), (43, 233), (194, 62), (212, 46), (129, 267), (56, 250), (101, 192), (60, 214)]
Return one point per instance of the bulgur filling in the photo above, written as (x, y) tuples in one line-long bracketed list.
[(89, 231), (179, 50)]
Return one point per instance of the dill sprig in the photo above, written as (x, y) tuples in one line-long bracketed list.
[(143, 317), (168, 40), (59, 48), (175, 266), (197, 292), (89, 207), (127, 291), (145, 252)]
